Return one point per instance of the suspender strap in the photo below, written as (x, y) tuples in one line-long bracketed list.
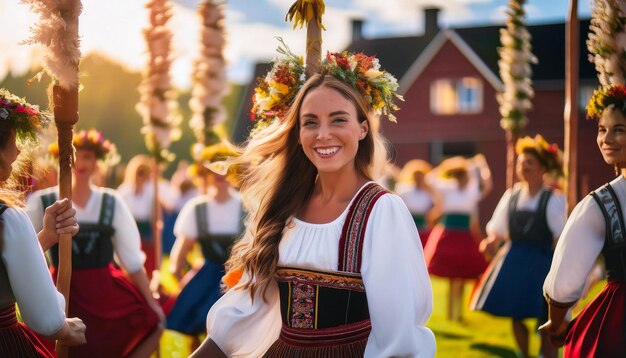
[(614, 218), (202, 224), (107, 210), (353, 232), (48, 200)]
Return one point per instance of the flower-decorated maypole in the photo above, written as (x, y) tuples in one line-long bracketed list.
[(607, 41), (157, 105), (209, 79), (309, 12), (515, 72), (57, 30)]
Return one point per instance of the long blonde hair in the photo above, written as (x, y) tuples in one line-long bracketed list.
[(136, 163), (278, 180)]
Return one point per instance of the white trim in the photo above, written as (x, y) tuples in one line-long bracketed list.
[(433, 48)]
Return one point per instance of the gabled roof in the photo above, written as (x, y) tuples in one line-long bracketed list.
[(396, 54), (548, 44)]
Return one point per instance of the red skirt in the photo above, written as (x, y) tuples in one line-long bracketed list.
[(150, 264), (453, 254), (600, 329), (117, 316), (424, 234), (19, 341)]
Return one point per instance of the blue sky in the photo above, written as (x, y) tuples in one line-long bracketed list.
[(113, 28)]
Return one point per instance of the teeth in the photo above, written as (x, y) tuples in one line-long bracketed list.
[(327, 151)]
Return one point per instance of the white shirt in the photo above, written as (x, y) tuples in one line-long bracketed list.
[(580, 244), (42, 307), (222, 218), (393, 261), (141, 205), (418, 201), (555, 211), (126, 239), (456, 200)]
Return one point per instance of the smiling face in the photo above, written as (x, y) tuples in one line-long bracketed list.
[(612, 137), (329, 130), (8, 155)]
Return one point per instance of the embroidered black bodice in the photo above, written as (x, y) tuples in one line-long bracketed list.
[(614, 250), (530, 227)]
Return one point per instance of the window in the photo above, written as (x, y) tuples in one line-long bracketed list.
[(452, 96)]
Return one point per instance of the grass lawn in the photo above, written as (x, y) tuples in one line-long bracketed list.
[(480, 335)]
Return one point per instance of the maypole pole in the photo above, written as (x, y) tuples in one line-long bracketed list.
[(209, 82), (309, 12), (515, 72), (157, 105), (58, 31), (570, 114)]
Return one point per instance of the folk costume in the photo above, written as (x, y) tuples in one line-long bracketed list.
[(452, 250), (24, 279), (116, 313), (596, 226), (331, 295), (215, 226), (512, 285)]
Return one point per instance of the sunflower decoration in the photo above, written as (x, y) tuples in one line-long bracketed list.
[(26, 118), (548, 154)]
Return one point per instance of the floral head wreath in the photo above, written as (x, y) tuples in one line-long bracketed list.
[(549, 153), (276, 91), (604, 97), (26, 118), (106, 152), (453, 167)]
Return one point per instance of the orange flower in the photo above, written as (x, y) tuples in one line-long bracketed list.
[(232, 278)]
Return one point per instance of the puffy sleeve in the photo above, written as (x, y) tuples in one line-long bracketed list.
[(499, 223), (555, 214), (397, 285), (242, 327), (42, 307), (186, 221), (576, 252), (126, 239)]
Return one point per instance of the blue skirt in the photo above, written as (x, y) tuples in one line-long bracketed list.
[(195, 300), (512, 286)]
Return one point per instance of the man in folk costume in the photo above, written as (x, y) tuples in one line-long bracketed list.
[(124, 319), (325, 242)]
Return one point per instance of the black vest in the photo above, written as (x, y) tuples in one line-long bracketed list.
[(92, 246), (530, 227), (6, 292), (215, 247), (614, 250)]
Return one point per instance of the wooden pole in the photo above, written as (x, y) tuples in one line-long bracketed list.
[(65, 107), (571, 106)]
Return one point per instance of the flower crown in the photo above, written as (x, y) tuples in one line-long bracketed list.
[(106, 152), (276, 91), (603, 97), (25, 117), (214, 157), (549, 153)]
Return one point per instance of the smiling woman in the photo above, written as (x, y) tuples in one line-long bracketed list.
[(324, 242), (596, 226)]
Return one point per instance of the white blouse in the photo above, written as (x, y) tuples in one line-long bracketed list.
[(455, 199), (42, 307), (418, 201), (394, 273), (580, 244), (555, 211), (222, 218), (141, 205), (126, 239)]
